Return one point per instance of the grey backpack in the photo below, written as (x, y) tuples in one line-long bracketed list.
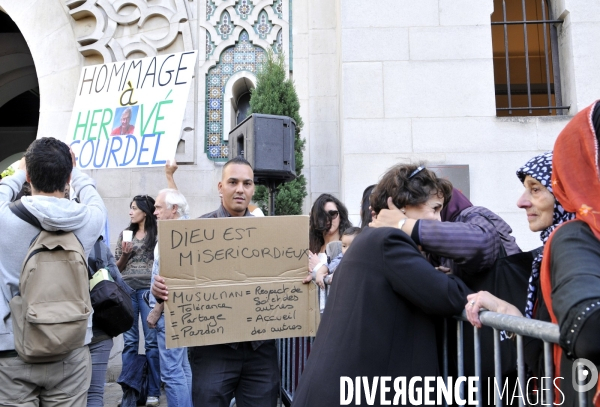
[(51, 313)]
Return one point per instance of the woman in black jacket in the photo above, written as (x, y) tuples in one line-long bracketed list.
[(380, 317)]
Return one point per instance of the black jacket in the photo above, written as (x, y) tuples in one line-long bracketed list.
[(380, 317), (575, 280)]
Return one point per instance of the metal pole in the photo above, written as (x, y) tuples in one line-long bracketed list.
[(445, 362), (272, 188), (582, 394), (477, 363), (294, 367), (548, 372), (555, 65), (526, 55), (521, 369), (497, 367), (461, 360), (546, 56), (506, 56)]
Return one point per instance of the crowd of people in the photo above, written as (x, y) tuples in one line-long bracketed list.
[(422, 252)]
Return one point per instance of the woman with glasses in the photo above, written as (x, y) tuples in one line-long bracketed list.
[(328, 221), (135, 259), (383, 307)]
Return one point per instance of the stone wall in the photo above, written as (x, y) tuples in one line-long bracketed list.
[(417, 84), (379, 83)]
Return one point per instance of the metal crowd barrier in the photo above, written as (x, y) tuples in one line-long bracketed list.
[(293, 353), (520, 326)]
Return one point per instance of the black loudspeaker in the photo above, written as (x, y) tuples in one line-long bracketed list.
[(267, 143)]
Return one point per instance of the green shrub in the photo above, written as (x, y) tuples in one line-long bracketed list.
[(275, 94)]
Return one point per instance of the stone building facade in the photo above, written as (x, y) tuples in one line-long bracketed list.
[(379, 83)]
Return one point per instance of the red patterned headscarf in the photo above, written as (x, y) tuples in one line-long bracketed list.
[(576, 175), (576, 184)]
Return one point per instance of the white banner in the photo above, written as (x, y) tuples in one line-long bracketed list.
[(129, 114)]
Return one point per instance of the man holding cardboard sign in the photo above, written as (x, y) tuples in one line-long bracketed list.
[(248, 370)]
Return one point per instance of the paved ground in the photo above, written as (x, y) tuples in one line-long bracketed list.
[(112, 396), (113, 393)]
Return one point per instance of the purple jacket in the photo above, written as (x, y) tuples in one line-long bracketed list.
[(469, 244)]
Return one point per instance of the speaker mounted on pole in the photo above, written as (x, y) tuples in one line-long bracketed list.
[(267, 143)]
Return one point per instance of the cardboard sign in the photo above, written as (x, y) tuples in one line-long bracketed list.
[(236, 279), (129, 114)]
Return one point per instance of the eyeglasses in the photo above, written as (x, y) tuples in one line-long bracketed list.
[(148, 199), (333, 214), (415, 172)]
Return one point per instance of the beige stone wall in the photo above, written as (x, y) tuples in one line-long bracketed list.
[(316, 73), (400, 80), (379, 83), (417, 84)]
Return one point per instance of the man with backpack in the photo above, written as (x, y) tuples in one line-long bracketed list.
[(45, 317)]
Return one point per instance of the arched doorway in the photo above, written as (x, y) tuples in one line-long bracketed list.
[(19, 93), (236, 105), (241, 96), (243, 107)]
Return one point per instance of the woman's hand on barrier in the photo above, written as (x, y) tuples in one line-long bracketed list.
[(483, 300)]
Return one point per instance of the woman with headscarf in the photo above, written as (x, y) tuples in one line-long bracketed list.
[(565, 280), (544, 214), (570, 273)]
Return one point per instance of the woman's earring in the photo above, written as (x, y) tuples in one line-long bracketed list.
[(403, 210)]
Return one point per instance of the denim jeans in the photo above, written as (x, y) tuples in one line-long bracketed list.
[(175, 370), (131, 340), (100, 352)]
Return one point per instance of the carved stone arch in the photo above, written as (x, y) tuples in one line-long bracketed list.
[(57, 66), (17, 70), (234, 88)]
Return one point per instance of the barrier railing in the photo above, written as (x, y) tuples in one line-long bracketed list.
[(520, 326), (293, 353)]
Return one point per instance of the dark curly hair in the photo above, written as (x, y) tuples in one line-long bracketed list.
[(320, 221), (146, 204), (406, 190)]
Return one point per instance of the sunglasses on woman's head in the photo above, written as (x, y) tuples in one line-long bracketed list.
[(145, 198), (415, 172), (333, 214)]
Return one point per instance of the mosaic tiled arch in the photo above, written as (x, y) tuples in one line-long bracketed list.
[(243, 56)]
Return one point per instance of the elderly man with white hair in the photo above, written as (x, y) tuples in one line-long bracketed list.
[(175, 369)]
